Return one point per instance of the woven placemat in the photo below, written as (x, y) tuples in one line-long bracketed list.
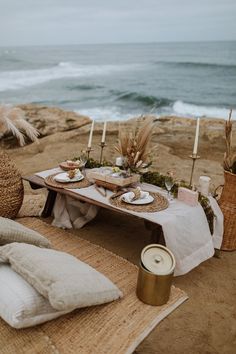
[(159, 203), (73, 185)]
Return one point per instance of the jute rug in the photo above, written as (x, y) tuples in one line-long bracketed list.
[(114, 328)]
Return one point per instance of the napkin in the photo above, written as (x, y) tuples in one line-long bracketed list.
[(130, 196), (74, 173)]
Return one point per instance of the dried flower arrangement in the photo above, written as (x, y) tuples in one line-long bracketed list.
[(134, 147), (229, 162), (12, 119)]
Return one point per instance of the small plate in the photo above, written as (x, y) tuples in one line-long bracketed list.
[(143, 201), (64, 178)]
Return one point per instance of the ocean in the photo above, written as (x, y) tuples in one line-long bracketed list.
[(119, 81)]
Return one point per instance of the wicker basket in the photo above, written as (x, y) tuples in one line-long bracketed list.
[(227, 204), (11, 187)]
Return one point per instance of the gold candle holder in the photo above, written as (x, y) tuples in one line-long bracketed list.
[(88, 150), (102, 145), (194, 157)]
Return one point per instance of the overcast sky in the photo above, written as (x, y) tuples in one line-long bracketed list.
[(39, 22)]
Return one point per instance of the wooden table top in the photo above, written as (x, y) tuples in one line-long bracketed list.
[(37, 182)]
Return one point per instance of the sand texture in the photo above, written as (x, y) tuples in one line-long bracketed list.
[(206, 323)]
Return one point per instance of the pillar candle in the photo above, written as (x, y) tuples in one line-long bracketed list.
[(204, 185), (104, 132), (91, 135), (119, 161), (195, 147)]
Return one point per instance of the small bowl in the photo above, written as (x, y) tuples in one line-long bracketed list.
[(67, 167)]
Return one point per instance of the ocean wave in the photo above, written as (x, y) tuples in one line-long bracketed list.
[(193, 65), (179, 108), (84, 87), (105, 114), (13, 80), (187, 109), (146, 100)]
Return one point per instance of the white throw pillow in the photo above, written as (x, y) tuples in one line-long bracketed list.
[(67, 282), (20, 304), (11, 231)]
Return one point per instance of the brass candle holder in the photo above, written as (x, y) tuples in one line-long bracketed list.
[(194, 157), (102, 145), (88, 150)]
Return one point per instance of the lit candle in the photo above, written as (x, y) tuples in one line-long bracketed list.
[(196, 137), (104, 132), (91, 135)]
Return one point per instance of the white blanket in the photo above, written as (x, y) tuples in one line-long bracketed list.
[(69, 213), (185, 228)]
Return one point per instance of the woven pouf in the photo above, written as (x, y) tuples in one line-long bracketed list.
[(227, 204), (11, 187)]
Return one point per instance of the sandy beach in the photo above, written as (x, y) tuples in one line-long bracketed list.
[(64, 134), (206, 323)]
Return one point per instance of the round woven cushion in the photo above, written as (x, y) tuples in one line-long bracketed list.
[(11, 188)]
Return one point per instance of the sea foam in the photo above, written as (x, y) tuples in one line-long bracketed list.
[(13, 80), (187, 109), (105, 114)]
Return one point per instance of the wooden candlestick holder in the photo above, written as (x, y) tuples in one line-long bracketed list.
[(102, 145), (88, 150)]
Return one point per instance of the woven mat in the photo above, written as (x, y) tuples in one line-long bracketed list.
[(159, 203), (51, 182), (115, 328)]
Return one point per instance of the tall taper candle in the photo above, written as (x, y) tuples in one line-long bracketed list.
[(91, 135), (195, 147), (104, 132)]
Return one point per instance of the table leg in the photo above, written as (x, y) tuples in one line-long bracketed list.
[(47, 211), (156, 232)]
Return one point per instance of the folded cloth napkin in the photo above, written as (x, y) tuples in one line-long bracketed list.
[(135, 195)]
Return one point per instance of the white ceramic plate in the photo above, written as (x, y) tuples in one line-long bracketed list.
[(64, 178), (143, 201)]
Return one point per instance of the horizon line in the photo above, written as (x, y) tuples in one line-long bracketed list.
[(118, 43)]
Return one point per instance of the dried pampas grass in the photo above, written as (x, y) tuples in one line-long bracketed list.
[(12, 119), (229, 162), (134, 146)]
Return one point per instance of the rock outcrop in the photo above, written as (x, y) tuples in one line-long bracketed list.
[(50, 120)]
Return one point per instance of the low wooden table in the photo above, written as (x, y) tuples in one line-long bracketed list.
[(37, 182)]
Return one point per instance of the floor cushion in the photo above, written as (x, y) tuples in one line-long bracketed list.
[(11, 187), (67, 282), (20, 304), (11, 231)]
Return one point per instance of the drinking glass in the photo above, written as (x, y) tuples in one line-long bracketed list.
[(169, 182), (83, 158)]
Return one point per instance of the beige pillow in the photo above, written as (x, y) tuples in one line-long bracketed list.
[(11, 231), (20, 304), (67, 282)]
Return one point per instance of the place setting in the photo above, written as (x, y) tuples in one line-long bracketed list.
[(135, 199), (72, 179)]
